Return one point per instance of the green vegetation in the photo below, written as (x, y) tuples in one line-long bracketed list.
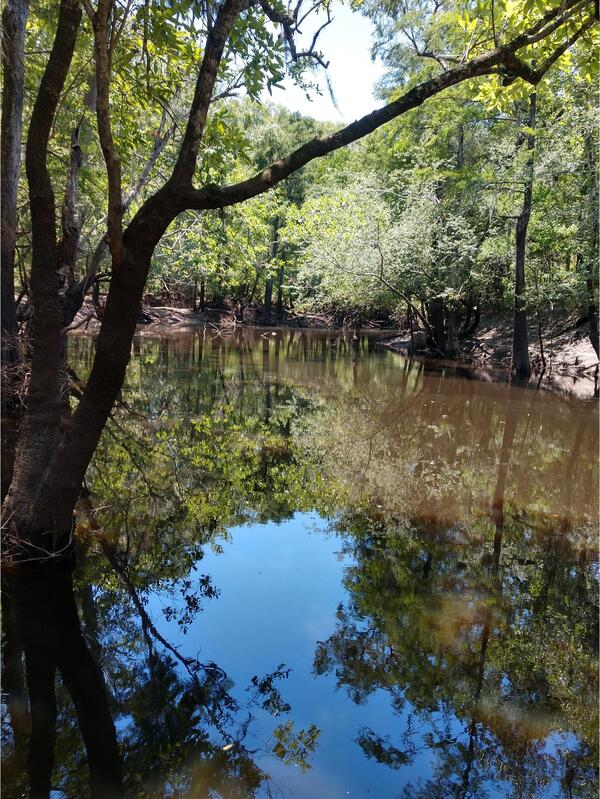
[(421, 215), (420, 223), (138, 163), (132, 117), (470, 597)]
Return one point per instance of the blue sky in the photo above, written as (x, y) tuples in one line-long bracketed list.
[(346, 45)]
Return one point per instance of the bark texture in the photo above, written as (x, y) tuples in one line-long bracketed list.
[(520, 348), (41, 429), (14, 21)]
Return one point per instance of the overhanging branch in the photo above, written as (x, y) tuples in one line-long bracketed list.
[(503, 57)]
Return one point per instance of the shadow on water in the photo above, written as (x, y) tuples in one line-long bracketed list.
[(419, 548)]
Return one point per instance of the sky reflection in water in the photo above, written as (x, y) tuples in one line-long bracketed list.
[(418, 548)]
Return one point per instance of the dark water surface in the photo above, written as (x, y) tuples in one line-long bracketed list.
[(311, 569)]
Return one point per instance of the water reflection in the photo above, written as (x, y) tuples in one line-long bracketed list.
[(485, 641), (464, 642), (42, 627), (180, 730)]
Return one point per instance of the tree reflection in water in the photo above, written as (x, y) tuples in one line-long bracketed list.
[(485, 645), (41, 619), (470, 597), (178, 735)]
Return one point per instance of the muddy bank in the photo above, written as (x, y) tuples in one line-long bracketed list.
[(570, 360), (571, 364), (160, 319)]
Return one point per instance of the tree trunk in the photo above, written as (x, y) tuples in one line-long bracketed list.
[(36, 506), (270, 280), (280, 272), (520, 348), (52, 458), (592, 236), (451, 334), (460, 150), (40, 433), (14, 21), (472, 321), (269, 297), (435, 314), (593, 311)]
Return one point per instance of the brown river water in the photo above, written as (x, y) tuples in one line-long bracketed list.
[(309, 567)]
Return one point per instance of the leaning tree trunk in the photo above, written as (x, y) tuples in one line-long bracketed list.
[(520, 349), (53, 456), (14, 21), (36, 507), (40, 433)]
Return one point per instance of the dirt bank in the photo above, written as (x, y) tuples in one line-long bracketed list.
[(571, 363), (158, 319)]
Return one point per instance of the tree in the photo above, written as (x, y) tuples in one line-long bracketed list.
[(520, 350), (405, 33), (14, 20), (54, 451)]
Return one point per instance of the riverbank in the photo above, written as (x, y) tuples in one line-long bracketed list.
[(160, 319), (571, 364), (570, 360)]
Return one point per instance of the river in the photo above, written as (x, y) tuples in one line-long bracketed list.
[(308, 567)]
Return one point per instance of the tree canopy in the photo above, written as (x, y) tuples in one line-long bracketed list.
[(132, 119)]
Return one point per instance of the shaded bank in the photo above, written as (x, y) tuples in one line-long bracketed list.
[(564, 361), (566, 358)]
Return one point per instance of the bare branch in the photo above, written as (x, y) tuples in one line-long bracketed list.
[(291, 26), (77, 292)]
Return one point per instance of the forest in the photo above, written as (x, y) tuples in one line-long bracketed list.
[(483, 200), (285, 509)]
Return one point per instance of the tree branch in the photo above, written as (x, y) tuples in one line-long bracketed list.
[(522, 70), (76, 292), (109, 151), (211, 196), (215, 43)]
